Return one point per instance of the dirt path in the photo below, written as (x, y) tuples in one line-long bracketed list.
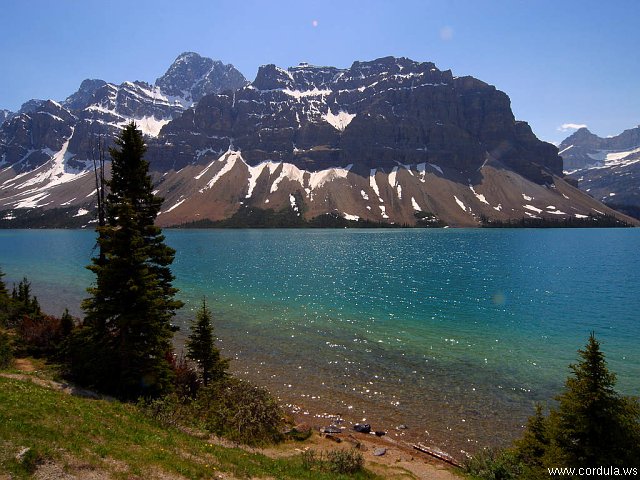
[(398, 462), (24, 365)]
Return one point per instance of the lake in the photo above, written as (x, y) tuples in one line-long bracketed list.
[(455, 333)]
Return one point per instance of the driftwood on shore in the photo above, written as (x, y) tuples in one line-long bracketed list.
[(437, 453)]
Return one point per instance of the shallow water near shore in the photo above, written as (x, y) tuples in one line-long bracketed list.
[(455, 333)]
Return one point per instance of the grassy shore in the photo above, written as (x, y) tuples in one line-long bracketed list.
[(87, 438)]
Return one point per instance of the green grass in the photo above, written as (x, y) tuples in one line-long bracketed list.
[(117, 438)]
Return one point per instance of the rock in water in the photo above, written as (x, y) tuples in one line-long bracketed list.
[(362, 427)]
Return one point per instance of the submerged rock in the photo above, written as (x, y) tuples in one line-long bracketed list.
[(362, 427)]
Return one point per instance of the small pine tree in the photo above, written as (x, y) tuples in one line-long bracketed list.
[(66, 323), (535, 441), (201, 347)]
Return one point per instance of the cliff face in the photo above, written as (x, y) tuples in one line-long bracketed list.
[(390, 140), (373, 115)]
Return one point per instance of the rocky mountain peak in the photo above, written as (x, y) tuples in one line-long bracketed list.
[(271, 77), (30, 106), (387, 140), (192, 76), (5, 114), (82, 98)]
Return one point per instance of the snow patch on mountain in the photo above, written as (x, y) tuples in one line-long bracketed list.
[(373, 184), (291, 172), (298, 94), (318, 179), (610, 158), (229, 158), (479, 196), (339, 121), (150, 125)]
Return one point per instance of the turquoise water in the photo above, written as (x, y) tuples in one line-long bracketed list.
[(455, 333)]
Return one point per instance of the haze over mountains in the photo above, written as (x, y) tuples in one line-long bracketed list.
[(607, 168), (390, 140)]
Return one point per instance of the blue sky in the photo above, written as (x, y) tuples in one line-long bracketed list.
[(561, 62)]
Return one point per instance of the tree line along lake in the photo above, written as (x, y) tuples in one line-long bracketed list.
[(455, 333)]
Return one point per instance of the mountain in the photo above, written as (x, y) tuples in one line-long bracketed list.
[(390, 140), (191, 77), (606, 168), (39, 130), (4, 114)]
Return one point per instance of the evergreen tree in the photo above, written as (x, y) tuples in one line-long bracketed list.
[(66, 323), (592, 425), (4, 294), (535, 441), (201, 347), (128, 331)]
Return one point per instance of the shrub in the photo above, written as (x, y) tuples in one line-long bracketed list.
[(493, 464), (345, 461), (6, 354), (168, 410), (187, 383), (40, 335), (240, 411), (336, 461)]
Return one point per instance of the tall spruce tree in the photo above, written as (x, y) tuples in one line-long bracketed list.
[(201, 347), (592, 424), (128, 331)]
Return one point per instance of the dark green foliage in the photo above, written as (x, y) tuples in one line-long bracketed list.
[(4, 294), (592, 221), (239, 411), (342, 461), (494, 465), (535, 441), (299, 435), (127, 318), (6, 352), (24, 303), (428, 220), (345, 461), (201, 348), (67, 323), (230, 408), (59, 217), (592, 425), (5, 302), (251, 217), (14, 308)]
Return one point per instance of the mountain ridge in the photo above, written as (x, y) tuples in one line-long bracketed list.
[(606, 168), (389, 140)]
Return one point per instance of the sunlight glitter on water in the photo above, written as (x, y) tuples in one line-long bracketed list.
[(454, 333)]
